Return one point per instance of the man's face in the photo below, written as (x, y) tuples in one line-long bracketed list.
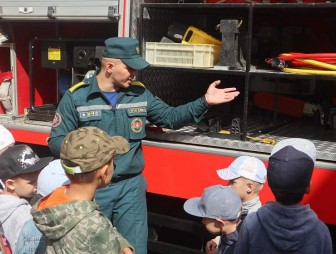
[(26, 184), (122, 75)]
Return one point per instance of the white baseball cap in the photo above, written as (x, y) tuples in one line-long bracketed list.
[(6, 137), (245, 166)]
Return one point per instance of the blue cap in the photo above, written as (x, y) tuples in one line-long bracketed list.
[(51, 177), (244, 166), (291, 164), (127, 50), (217, 202)]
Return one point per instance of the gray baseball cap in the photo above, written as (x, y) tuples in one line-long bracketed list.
[(217, 202)]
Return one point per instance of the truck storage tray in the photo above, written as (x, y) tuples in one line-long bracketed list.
[(44, 113), (323, 138)]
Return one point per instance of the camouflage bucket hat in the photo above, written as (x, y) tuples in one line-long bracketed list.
[(90, 148)]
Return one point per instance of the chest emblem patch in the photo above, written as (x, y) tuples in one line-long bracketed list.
[(57, 120), (136, 125)]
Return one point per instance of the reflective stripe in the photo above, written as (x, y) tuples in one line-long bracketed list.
[(93, 107), (108, 107), (133, 105)]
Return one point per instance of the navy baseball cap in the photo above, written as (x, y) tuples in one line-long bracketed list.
[(217, 202), (290, 166), (127, 50)]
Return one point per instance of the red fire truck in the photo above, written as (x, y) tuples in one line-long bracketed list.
[(46, 46)]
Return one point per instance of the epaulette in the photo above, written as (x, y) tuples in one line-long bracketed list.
[(137, 83), (75, 87)]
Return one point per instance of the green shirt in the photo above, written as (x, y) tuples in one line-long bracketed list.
[(85, 105)]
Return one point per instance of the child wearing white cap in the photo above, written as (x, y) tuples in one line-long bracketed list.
[(6, 139), (246, 175), (220, 207)]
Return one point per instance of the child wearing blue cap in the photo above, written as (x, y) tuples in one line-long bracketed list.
[(246, 175), (220, 207)]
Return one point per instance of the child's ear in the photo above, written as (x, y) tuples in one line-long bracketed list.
[(103, 171), (10, 184), (249, 187), (222, 222), (307, 191)]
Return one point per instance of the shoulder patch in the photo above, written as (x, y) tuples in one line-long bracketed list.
[(137, 83), (75, 87), (57, 120)]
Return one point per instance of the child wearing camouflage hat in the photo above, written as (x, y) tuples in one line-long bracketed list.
[(68, 216)]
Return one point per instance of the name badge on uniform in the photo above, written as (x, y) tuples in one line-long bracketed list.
[(136, 110), (90, 114)]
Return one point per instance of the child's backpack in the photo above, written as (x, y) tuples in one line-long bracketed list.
[(4, 244)]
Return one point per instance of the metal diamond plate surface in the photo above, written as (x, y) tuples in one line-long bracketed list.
[(326, 150)]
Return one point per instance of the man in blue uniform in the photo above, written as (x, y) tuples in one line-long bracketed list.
[(113, 102)]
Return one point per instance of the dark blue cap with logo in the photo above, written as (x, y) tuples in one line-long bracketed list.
[(127, 50)]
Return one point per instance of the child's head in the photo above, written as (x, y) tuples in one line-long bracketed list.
[(246, 175), (220, 207), (290, 168), (50, 178), (6, 139), (19, 169), (88, 151)]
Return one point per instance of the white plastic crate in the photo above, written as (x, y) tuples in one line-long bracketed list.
[(180, 55)]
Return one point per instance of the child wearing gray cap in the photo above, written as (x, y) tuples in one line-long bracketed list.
[(246, 175), (286, 226), (220, 207)]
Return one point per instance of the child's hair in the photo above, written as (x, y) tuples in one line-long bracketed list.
[(288, 198), (257, 187)]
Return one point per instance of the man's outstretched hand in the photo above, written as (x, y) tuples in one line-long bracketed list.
[(216, 96)]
